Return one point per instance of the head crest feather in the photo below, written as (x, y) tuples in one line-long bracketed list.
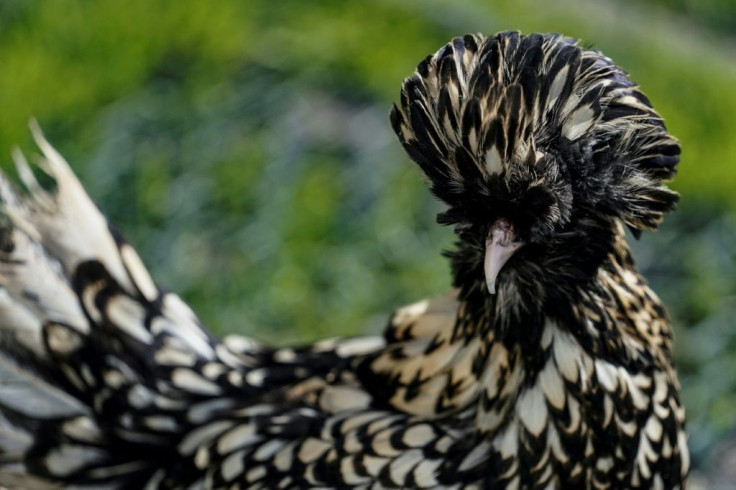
[(541, 111)]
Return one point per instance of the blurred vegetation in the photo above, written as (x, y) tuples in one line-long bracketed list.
[(718, 16), (244, 148)]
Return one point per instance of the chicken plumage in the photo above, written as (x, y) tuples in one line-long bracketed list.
[(547, 366)]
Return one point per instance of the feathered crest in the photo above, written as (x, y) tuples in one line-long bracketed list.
[(515, 115)]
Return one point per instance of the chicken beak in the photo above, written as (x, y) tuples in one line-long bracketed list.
[(501, 244)]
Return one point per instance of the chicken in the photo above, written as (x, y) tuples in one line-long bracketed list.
[(548, 365)]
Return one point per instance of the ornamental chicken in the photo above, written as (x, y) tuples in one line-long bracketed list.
[(549, 364)]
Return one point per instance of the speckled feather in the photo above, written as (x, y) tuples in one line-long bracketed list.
[(562, 379)]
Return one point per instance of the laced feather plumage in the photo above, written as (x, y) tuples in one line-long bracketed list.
[(556, 374)]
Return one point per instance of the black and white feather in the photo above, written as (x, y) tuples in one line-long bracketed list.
[(548, 366)]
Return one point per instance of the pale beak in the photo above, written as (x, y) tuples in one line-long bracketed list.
[(501, 244)]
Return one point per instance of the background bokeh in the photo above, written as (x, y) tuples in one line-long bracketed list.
[(244, 148)]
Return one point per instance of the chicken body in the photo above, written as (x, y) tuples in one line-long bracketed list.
[(558, 376)]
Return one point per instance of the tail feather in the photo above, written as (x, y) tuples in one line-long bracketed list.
[(14, 442), (67, 223), (28, 394), (48, 299), (29, 404), (98, 365), (105, 377), (20, 330)]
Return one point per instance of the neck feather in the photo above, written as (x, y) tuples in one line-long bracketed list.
[(467, 349)]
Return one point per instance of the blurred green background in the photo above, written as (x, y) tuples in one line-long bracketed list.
[(244, 148)]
